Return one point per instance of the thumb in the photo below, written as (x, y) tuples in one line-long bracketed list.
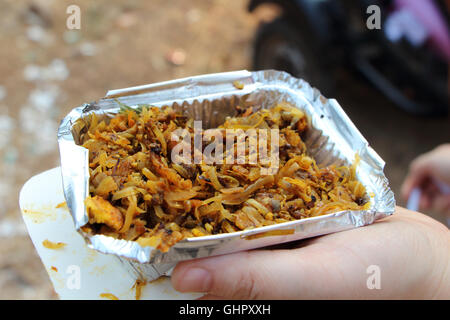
[(419, 172), (243, 275), (258, 274), (441, 203)]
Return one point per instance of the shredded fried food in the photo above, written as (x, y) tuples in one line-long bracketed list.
[(53, 245), (109, 296), (138, 193), (61, 205), (238, 85), (102, 211)]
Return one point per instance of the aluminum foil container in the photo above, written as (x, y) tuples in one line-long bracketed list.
[(331, 139)]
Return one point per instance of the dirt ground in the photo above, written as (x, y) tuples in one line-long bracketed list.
[(46, 70)]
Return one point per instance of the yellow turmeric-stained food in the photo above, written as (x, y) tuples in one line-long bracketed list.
[(139, 192), (238, 85), (53, 245), (109, 296), (138, 285), (102, 211), (61, 205)]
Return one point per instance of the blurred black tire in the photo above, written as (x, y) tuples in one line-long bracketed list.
[(291, 47)]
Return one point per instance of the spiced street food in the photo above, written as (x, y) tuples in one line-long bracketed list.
[(156, 180)]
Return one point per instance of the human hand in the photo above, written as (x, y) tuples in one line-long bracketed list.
[(425, 172), (411, 250)]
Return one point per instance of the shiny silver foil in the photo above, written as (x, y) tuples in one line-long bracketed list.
[(331, 139)]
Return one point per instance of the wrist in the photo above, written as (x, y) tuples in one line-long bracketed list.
[(443, 286), (440, 277)]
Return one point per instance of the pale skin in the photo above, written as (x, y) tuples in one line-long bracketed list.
[(424, 171), (411, 250)]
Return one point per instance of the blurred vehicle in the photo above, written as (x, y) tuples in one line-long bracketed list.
[(407, 59)]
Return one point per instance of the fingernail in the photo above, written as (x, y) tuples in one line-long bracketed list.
[(195, 280)]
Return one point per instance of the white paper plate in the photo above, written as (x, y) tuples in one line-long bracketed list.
[(76, 271)]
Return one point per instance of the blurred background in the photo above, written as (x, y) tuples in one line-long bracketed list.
[(392, 82)]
